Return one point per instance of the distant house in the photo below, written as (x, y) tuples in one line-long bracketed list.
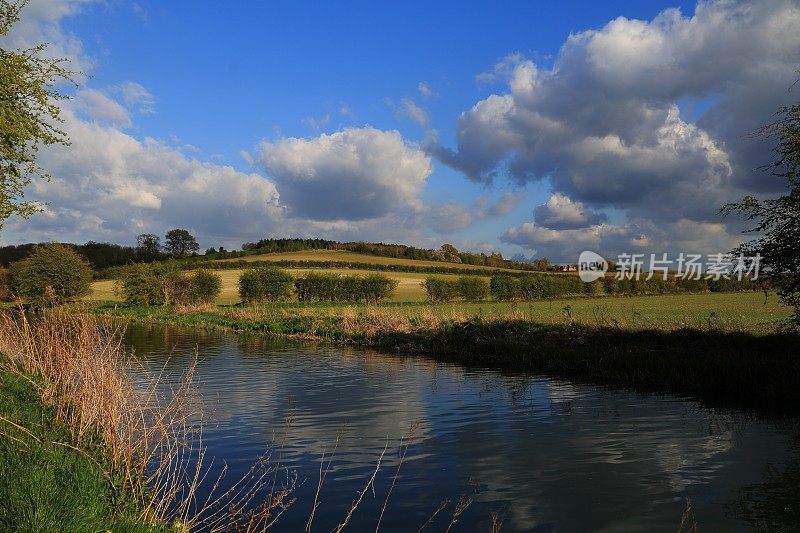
[(567, 268)]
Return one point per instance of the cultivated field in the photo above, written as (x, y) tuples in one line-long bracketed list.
[(353, 257), (408, 284)]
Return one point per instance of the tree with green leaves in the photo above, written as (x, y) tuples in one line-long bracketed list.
[(53, 274), (148, 247), (265, 284), (29, 115), (180, 243), (778, 220)]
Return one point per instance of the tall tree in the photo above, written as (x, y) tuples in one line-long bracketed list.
[(29, 114), (180, 243), (148, 247), (778, 219)]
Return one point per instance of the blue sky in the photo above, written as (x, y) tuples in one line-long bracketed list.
[(229, 84)]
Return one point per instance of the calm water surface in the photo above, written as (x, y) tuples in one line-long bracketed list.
[(546, 455)]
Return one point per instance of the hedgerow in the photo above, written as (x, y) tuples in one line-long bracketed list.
[(325, 287)]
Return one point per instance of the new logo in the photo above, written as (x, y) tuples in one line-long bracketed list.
[(591, 266)]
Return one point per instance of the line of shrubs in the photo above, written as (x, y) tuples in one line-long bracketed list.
[(533, 287), (325, 287), (157, 284), (273, 284), (469, 288), (152, 284), (504, 287), (265, 284)]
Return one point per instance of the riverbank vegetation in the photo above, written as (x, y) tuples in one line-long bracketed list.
[(90, 451), (49, 482), (720, 346), (102, 443)]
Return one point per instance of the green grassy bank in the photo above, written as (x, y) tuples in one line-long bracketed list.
[(48, 482), (721, 347)]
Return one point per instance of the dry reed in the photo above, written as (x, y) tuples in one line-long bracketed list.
[(150, 434)]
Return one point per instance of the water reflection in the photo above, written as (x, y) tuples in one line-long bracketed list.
[(550, 455)]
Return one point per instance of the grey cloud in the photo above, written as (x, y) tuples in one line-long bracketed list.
[(447, 217), (604, 125), (425, 90), (135, 96), (412, 111), (637, 236), (99, 106), (507, 202)]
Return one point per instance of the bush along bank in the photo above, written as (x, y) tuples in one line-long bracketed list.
[(152, 284), (542, 287), (706, 360)]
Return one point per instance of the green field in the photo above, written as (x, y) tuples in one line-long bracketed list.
[(750, 311), (739, 311)]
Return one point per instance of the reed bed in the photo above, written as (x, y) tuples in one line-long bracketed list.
[(146, 438)]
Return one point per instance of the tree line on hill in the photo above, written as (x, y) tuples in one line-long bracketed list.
[(180, 243), (177, 243), (447, 253)]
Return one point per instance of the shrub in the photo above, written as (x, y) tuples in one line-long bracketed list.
[(473, 288), (6, 294), (52, 275), (204, 287), (594, 288), (376, 287), (176, 287), (324, 287), (316, 287), (692, 285), (267, 283), (610, 284), (141, 284), (504, 287), (277, 285), (250, 286), (439, 289), (530, 288)]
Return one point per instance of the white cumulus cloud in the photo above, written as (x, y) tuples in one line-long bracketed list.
[(353, 174)]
